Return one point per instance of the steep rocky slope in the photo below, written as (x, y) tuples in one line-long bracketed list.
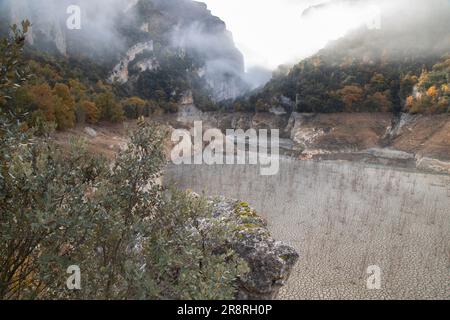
[(420, 141), (414, 142), (148, 45)]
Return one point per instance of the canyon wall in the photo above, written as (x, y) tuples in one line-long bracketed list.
[(407, 141), (143, 43)]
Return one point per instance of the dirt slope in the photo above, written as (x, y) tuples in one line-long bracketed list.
[(381, 138), (426, 136)]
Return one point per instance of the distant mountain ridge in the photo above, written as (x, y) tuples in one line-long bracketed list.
[(403, 66)]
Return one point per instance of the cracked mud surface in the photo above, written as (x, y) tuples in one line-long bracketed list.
[(342, 217)]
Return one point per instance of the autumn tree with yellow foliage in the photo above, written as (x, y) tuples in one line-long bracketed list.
[(352, 96), (432, 94)]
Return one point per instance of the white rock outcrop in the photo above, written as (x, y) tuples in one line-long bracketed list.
[(120, 71)]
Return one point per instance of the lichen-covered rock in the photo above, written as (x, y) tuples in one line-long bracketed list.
[(270, 262)]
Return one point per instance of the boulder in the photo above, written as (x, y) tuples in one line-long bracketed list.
[(433, 165), (91, 132), (270, 261)]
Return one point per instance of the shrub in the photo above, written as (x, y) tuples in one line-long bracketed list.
[(90, 111), (64, 107), (131, 239), (109, 108), (134, 107), (44, 100), (12, 69)]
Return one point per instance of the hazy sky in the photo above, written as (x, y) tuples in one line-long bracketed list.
[(273, 32)]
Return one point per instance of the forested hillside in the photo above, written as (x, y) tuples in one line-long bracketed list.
[(320, 85), (401, 66), (134, 59), (154, 54)]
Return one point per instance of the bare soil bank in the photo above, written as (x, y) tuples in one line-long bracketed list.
[(407, 141), (339, 136)]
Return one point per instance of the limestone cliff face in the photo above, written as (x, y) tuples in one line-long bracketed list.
[(140, 39), (407, 141), (187, 30), (97, 37), (47, 29), (120, 72), (225, 87)]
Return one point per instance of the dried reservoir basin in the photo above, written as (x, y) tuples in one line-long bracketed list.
[(343, 217)]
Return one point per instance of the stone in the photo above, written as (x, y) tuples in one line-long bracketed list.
[(278, 111), (270, 261), (433, 165), (91, 132)]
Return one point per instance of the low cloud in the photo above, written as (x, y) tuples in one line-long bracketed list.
[(98, 22)]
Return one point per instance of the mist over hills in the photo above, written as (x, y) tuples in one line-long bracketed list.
[(405, 27), (174, 49), (401, 65), (182, 31)]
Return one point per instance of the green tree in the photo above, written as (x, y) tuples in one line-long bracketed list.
[(378, 83), (378, 102), (406, 86), (90, 111), (64, 107), (260, 106), (169, 106), (110, 108), (44, 100), (133, 107)]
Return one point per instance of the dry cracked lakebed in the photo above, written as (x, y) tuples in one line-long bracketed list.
[(343, 217)]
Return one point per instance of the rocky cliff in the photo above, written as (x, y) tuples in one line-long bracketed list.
[(141, 39), (270, 262), (411, 141)]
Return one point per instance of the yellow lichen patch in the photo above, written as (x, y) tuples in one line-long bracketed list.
[(243, 210)]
